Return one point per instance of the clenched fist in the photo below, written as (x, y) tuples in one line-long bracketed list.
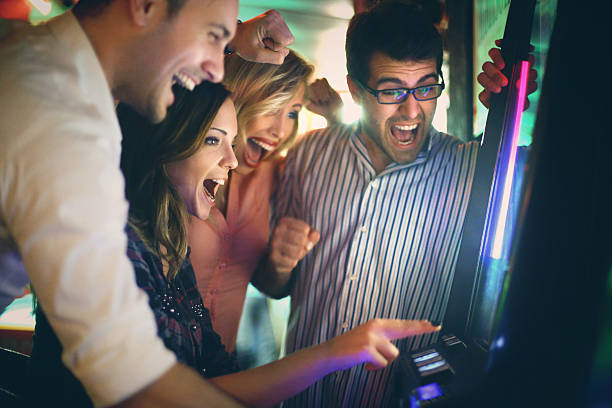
[(291, 240)]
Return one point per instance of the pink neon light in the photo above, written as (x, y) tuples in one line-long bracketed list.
[(518, 115)]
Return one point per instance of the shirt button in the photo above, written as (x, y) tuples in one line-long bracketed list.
[(227, 237), (194, 327), (353, 277), (363, 228), (222, 265), (213, 291), (374, 184), (345, 325)]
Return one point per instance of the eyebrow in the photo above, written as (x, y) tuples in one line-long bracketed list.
[(226, 32), (297, 105), (401, 83), (218, 130)]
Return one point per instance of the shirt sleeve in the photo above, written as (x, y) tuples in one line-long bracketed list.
[(285, 200), (63, 203)]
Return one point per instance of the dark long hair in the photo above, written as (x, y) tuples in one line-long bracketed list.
[(157, 211)]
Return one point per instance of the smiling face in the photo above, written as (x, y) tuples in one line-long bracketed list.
[(264, 134), (186, 48), (197, 177), (395, 133)]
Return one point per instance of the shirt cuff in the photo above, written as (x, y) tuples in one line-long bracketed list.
[(138, 370)]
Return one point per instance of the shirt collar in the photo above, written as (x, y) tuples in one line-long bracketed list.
[(359, 146)]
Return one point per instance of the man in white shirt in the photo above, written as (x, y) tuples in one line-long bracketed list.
[(62, 204)]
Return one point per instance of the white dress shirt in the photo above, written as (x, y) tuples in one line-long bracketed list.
[(62, 204)]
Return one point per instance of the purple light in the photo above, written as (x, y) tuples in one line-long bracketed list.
[(518, 115), (429, 391)]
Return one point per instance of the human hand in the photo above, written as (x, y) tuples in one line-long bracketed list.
[(324, 100), (492, 79), (263, 38), (370, 343), (291, 240)]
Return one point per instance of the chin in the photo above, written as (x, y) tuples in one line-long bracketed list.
[(156, 114), (244, 169), (203, 214)]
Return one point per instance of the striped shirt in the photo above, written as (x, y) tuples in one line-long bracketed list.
[(388, 247)]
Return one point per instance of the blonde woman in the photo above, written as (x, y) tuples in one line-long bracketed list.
[(226, 248)]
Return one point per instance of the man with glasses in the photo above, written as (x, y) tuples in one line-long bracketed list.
[(387, 196)]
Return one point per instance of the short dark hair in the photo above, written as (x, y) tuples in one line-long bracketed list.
[(89, 8), (400, 30)]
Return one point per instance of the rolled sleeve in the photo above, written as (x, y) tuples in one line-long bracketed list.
[(67, 212), (63, 205)]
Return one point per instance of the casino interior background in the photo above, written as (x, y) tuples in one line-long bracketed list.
[(469, 29)]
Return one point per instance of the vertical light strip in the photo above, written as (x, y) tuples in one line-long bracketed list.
[(518, 115)]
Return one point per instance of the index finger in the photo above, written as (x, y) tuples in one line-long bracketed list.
[(496, 56), (398, 329)]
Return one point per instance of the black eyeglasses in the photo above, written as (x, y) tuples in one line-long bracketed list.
[(399, 95)]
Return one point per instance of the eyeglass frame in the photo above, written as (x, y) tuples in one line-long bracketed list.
[(409, 91)]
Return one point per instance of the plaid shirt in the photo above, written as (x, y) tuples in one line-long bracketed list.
[(182, 320)]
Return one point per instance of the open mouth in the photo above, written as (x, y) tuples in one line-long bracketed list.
[(255, 151), (405, 135), (183, 80), (210, 189)]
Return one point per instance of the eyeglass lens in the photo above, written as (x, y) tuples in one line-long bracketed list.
[(421, 93)]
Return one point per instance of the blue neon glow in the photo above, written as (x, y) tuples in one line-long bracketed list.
[(432, 366), (426, 357), (499, 343)]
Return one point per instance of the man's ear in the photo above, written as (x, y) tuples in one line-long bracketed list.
[(143, 12), (354, 89)]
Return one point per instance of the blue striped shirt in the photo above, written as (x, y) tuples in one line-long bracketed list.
[(388, 247)]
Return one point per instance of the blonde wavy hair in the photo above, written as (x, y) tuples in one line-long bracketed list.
[(262, 89)]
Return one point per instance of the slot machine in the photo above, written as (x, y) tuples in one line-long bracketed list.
[(525, 324)]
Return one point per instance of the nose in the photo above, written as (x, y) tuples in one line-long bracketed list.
[(229, 160), (410, 107), (278, 125), (213, 66)]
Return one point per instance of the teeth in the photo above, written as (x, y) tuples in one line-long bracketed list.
[(263, 145), (219, 181), (184, 81), (212, 197), (406, 127)]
